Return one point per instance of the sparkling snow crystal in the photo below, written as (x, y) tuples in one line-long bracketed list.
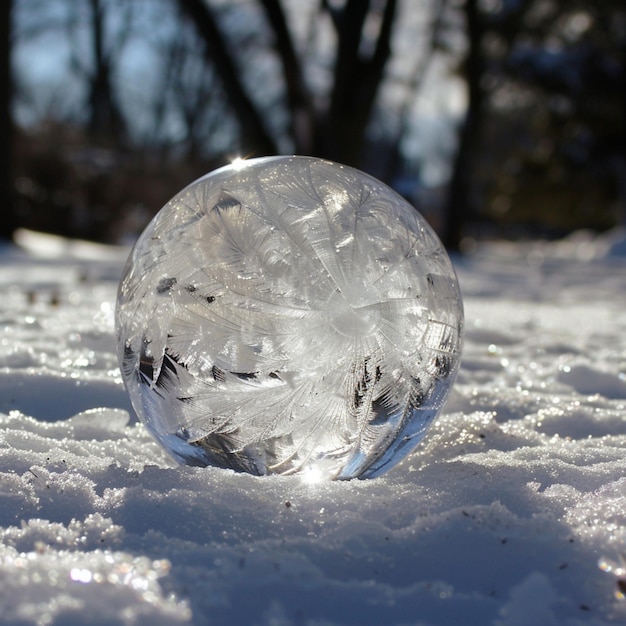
[(289, 315)]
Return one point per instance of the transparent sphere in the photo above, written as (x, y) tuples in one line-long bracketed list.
[(289, 315)]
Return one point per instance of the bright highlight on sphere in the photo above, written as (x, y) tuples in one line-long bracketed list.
[(289, 315)]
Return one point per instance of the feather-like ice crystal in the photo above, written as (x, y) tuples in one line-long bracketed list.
[(289, 315)]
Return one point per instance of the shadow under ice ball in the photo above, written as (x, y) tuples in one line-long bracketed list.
[(289, 315)]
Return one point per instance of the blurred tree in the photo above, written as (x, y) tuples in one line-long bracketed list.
[(359, 67), (460, 188), (105, 119), (87, 39), (8, 219), (333, 126), (186, 84), (545, 109), (414, 87), (253, 126)]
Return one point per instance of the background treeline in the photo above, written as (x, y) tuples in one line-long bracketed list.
[(495, 117)]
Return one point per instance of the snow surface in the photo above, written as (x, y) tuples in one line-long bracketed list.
[(512, 511)]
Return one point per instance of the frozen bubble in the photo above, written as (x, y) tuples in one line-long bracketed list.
[(288, 315)]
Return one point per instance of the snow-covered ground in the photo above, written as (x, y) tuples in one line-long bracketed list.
[(512, 512)]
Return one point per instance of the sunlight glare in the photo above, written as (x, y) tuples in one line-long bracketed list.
[(311, 475), (238, 163)]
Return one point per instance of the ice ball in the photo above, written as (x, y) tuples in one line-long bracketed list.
[(289, 315)]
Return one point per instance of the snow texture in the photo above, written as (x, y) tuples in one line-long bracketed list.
[(511, 512), (289, 315)]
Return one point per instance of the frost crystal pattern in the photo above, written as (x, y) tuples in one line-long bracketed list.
[(289, 315)]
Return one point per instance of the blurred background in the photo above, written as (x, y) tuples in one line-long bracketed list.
[(495, 118)]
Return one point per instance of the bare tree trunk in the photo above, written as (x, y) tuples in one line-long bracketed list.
[(8, 222), (105, 121), (255, 138), (459, 202), (356, 81)]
